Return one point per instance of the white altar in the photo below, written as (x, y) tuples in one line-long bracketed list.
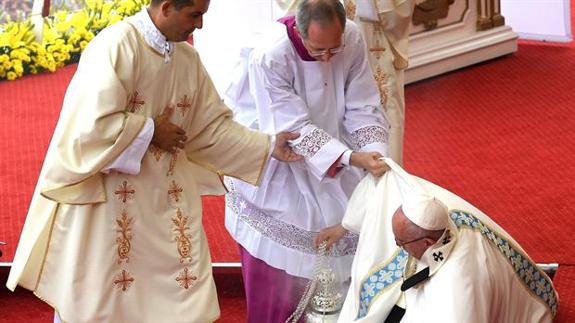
[(450, 34)]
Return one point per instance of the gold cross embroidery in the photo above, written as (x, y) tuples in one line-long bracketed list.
[(125, 192), (185, 104), (135, 102), (186, 279), (124, 280), (175, 191)]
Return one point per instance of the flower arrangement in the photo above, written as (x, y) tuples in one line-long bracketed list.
[(65, 35)]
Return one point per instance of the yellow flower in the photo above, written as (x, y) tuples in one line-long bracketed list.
[(51, 66), (19, 69), (7, 65), (16, 62), (11, 76)]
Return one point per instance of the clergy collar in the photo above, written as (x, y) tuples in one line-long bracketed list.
[(152, 35), (434, 257), (295, 39)]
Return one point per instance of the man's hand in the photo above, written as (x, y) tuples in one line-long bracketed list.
[(370, 161), (282, 150), (330, 235), (167, 135)]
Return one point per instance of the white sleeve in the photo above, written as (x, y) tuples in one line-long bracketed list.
[(129, 161), (365, 120), (279, 109)]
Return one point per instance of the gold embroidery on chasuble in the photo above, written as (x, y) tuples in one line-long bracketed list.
[(175, 191), (123, 280), (186, 279), (157, 152), (135, 102), (182, 238), (381, 79), (125, 192), (173, 160), (377, 49), (124, 236), (350, 9), (184, 104)]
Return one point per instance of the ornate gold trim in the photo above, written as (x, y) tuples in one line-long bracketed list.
[(460, 20), (183, 238), (429, 11)]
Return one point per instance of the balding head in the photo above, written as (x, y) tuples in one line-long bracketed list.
[(321, 12)]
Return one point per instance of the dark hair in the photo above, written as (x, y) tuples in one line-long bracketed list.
[(323, 12), (178, 4)]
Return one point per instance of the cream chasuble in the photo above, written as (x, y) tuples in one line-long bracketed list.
[(130, 248), (476, 272), (385, 26)]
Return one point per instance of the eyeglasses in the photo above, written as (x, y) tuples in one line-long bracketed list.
[(402, 244), (320, 53)]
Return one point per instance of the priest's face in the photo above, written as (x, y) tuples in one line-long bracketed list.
[(178, 24), (324, 41), (408, 236)]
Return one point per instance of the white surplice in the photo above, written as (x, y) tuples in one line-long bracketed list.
[(478, 273), (335, 107), (385, 26)]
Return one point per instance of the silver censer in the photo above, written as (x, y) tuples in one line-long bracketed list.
[(325, 305)]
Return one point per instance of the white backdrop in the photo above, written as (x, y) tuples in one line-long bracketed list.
[(227, 25), (539, 19)]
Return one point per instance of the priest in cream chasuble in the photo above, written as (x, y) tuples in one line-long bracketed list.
[(114, 230), (474, 272)]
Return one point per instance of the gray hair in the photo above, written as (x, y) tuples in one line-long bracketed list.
[(324, 12)]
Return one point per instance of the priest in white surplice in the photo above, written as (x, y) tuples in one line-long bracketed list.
[(426, 255), (308, 74), (385, 26)]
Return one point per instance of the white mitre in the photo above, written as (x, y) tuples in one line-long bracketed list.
[(419, 206)]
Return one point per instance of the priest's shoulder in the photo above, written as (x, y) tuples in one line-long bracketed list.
[(188, 49), (118, 35)]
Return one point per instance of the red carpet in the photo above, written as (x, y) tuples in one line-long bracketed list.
[(500, 135)]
